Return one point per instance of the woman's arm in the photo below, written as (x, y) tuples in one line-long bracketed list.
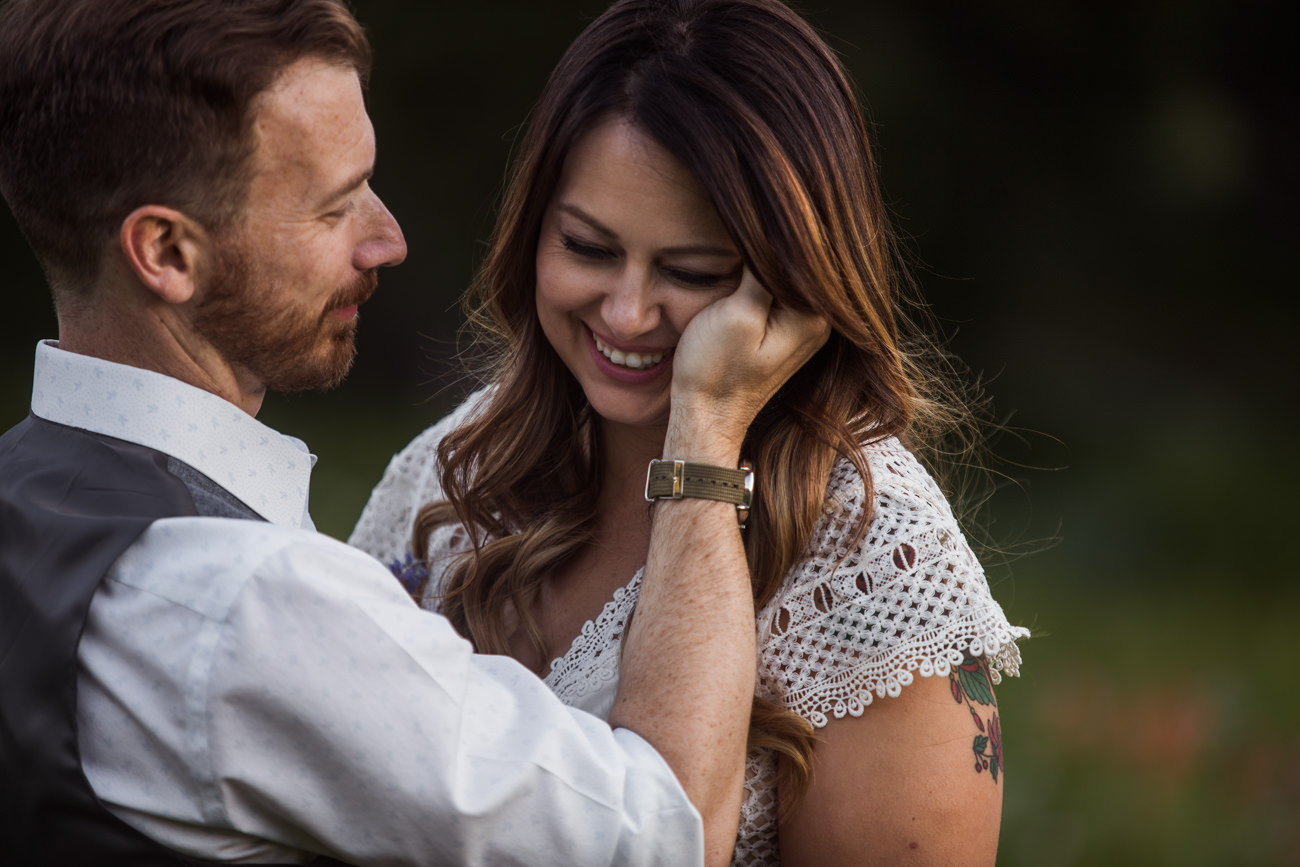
[(904, 632), (916, 780), (687, 674)]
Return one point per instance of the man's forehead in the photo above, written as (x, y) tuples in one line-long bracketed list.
[(313, 117), (309, 91)]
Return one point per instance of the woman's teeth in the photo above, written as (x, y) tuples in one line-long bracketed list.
[(634, 360)]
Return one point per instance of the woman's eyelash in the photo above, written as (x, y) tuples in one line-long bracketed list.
[(600, 254), (586, 250), (693, 278)]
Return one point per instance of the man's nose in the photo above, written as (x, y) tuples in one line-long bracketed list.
[(384, 245)]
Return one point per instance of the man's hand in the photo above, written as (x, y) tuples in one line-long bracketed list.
[(731, 359)]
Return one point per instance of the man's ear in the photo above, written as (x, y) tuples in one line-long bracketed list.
[(163, 247)]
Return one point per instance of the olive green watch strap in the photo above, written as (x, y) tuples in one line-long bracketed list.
[(677, 479)]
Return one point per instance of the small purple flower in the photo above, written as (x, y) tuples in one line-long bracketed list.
[(411, 572)]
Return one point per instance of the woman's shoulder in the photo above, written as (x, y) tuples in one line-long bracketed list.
[(898, 479), (899, 498), (903, 596), (410, 481)]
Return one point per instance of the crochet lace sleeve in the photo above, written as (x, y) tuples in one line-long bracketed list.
[(855, 623), (411, 481)]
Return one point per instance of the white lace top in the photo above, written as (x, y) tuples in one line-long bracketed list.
[(847, 626)]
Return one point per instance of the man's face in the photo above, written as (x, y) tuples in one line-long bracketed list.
[(280, 304)]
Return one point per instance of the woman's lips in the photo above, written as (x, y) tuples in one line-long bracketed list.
[(643, 360), (614, 362)]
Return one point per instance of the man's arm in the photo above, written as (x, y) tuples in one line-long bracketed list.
[(687, 676), (256, 692)]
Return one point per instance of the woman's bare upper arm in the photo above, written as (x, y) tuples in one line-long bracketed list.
[(916, 780)]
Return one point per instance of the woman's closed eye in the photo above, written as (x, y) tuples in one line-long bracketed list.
[(694, 278), (681, 276), (587, 251)]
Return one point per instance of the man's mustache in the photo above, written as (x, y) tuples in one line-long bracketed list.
[(358, 293)]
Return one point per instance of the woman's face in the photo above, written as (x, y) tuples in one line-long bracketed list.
[(630, 250)]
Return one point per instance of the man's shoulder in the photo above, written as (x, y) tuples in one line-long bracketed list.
[(60, 481), (14, 433), (13, 440), (38, 439)]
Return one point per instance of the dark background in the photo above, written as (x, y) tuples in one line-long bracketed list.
[(1099, 199)]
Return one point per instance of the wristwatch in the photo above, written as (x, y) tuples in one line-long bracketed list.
[(676, 479)]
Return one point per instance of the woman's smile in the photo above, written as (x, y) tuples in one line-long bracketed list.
[(632, 359)]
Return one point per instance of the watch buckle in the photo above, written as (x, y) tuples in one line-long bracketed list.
[(679, 477)]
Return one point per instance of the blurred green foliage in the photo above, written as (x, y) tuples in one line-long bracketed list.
[(1100, 203)]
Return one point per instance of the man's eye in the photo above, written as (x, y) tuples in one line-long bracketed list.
[(339, 213), (586, 250)]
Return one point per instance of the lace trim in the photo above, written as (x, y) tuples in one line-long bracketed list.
[(828, 689), (592, 660), (757, 843)]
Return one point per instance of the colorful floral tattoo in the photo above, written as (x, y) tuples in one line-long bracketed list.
[(972, 687)]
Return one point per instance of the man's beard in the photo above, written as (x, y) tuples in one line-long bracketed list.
[(285, 347)]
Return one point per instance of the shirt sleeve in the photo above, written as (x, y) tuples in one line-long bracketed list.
[(311, 706), (856, 621)]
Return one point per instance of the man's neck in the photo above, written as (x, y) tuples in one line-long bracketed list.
[(151, 345)]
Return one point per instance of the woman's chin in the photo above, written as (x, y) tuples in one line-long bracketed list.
[(622, 414)]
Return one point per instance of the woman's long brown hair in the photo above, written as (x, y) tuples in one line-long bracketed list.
[(749, 98)]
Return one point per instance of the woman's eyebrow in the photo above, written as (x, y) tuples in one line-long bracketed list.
[(574, 211)]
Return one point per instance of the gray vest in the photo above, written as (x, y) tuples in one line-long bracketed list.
[(70, 503)]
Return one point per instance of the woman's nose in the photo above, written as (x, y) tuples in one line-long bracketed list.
[(631, 309)]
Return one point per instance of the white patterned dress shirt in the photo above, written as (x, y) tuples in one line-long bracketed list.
[(254, 691)]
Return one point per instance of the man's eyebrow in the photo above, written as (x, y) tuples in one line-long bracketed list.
[(688, 250), (347, 187)]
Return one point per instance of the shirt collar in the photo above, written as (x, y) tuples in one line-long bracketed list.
[(268, 471)]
